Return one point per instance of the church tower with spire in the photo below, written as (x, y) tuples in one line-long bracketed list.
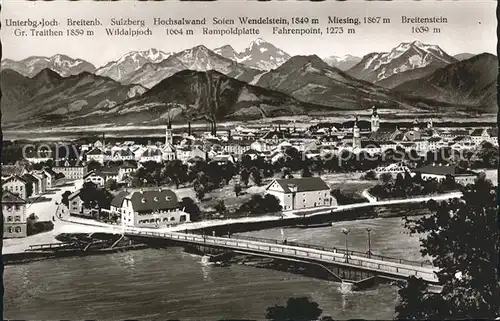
[(168, 151), (375, 120), (416, 125), (356, 136), (169, 139)]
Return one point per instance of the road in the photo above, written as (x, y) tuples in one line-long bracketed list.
[(46, 209), (286, 215)]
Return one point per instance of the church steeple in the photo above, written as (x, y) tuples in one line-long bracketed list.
[(168, 132), (375, 120), (416, 125), (356, 136)]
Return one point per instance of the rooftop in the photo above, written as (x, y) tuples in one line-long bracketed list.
[(453, 170), (304, 184), (8, 197), (153, 200)]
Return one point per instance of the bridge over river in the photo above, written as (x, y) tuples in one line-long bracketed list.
[(354, 267)]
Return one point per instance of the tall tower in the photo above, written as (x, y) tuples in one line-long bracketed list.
[(416, 125), (214, 127), (375, 120), (168, 132), (356, 137)]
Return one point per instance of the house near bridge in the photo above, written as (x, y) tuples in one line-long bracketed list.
[(149, 208), (301, 193)]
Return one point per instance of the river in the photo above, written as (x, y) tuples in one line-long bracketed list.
[(169, 283)]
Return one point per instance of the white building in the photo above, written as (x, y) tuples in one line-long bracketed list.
[(461, 175), (151, 208), (95, 178), (14, 215), (300, 193), (485, 134)]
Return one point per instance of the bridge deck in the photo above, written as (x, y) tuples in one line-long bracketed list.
[(392, 268)]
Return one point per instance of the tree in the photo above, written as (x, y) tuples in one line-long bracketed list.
[(200, 192), (463, 238), (287, 172), (400, 182), (189, 206), (93, 166), (65, 198), (175, 172), (245, 176), (88, 194), (256, 176), (220, 207), (385, 178), (111, 184), (370, 176), (296, 309), (237, 189), (94, 197), (259, 204), (306, 172), (29, 189)]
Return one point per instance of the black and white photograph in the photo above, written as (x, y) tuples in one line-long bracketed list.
[(245, 160)]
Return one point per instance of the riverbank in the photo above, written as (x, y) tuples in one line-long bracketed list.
[(120, 285), (363, 211)]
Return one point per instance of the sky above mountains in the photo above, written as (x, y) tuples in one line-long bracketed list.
[(471, 27)]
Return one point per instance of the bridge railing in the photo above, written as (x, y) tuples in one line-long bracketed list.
[(280, 248), (337, 250)]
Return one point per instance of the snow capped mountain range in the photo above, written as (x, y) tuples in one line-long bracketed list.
[(411, 76), (342, 62), (198, 58), (62, 64), (120, 69), (260, 54), (406, 56)]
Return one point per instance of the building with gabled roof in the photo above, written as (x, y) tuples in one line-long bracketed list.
[(151, 155), (19, 185), (95, 177), (300, 193), (51, 177), (14, 215), (461, 175), (71, 170), (485, 134), (149, 208), (10, 170)]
